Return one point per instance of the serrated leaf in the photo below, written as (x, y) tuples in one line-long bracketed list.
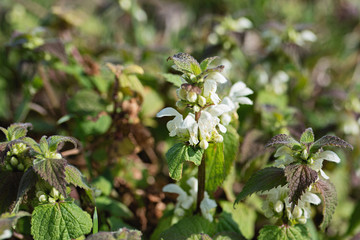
[(59, 221), (187, 227), (215, 166), (307, 137), (55, 140), (9, 181), (17, 130), (53, 171), (231, 148), (263, 180), (282, 139), (31, 143), (178, 154), (7, 220), (206, 62), (74, 176), (329, 141), (186, 63), (329, 199), (200, 236), (28, 180), (172, 78), (284, 232), (299, 177)]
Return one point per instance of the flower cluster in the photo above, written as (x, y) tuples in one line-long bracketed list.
[(16, 156), (209, 113), (51, 198), (185, 201)]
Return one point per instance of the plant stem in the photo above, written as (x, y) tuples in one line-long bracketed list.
[(201, 183)]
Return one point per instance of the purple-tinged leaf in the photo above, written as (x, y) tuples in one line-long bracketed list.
[(329, 198), (74, 176), (263, 180), (186, 63), (299, 177), (329, 141), (54, 142), (282, 139), (53, 171), (307, 137)]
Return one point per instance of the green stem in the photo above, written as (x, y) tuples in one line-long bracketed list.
[(201, 184)]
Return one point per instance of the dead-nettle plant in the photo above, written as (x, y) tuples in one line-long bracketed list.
[(294, 182), (35, 178), (205, 132)]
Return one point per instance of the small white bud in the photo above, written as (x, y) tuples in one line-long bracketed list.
[(218, 138), (204, 144), (42, 198), (305, 154), (181, 104), (191, 96), (54, 193), (182, 93), (193, 77), (14, 161), (201, 100), (279, 206), (302, 220), (58, 156), (52, 200), (196, 108), (61, 197), (15, 151), (39, 193), (297, 212)]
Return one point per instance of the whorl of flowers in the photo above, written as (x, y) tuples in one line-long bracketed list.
[(198, 92)]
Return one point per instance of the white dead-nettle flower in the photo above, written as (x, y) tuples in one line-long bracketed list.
[(241, 24), (277, 202), (237, 96), (186, 129), (210, 86), (6, 234), (279, 82), (185, 201)]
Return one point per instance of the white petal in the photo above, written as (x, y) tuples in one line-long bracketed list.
[(169, 111), (222, 128), (311, 198), (6, 234), (245, 100), (317, 165), (173, 188), (188, 122), (218, 110), (210, 86), (329, 156), (323, 174), (308, 35), (215, 98), (217, 77)]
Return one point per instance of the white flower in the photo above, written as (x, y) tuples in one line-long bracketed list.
[(206, 205), (184, 201), (210, 86), (236, 96), (185, 129), (193, 183), (6, 234), (320, 157), (279, 81)]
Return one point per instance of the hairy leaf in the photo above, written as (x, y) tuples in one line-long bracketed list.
[(307, 137), (53, 171), (74, 176), (299, 177), (27, 181), (329, 199), (7, 220), (121, 234), (187, 227), (284, 232), (263, 180), (59, 221), (329, 141), (206, 62), (17, 130), (31, 143), (186, 63), (9, 183), (228, 236), (54, 141), (178, 154), (44, 145), (172, 78), (282, 139), (215, 166)]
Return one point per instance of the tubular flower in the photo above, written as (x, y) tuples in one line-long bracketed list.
[(210, 87)]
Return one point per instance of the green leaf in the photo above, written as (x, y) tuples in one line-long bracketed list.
[(229, 236), (53, 171), (355, 219), (28, 180), (187, 227), (284, 232), (307, 137), (55, 140), (9, 183), (63, 221), (121, 234), (215, 166), (329, 199), (103, 184), (172, 78), (231, 148), (74, 176), (31, 143), (282, 139), (206, 62), (116, 208), (200, 236), (186, 63), (329, 141), (299, 177), (85, 102), (263, 180), (7, 220), (178, 154), (16, 131)]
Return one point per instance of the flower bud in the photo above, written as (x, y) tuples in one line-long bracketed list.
[(297, 212), (14, 161), (196, 108), (193, 77), (20, 167), (182, 93), (304, 154), (42, 198), (204, 144), (201, 100), (279, 206), (39, 193), (8, 167), (218, 138), (191, 96), (181, 104), (61, 197), (54, 193), (52, 200), (302, 220)]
